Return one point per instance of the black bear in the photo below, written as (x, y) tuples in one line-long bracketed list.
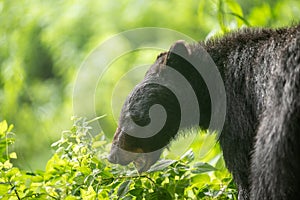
[(261, 134)]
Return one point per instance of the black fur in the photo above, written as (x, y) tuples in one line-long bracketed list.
[(260, 140)]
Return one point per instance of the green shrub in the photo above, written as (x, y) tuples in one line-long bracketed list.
[(79, 170)]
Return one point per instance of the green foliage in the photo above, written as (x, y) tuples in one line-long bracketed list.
[(78, 170)]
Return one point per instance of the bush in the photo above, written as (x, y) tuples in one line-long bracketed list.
[(79, 170)]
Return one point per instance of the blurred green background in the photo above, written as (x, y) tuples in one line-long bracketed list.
[(44, 42)]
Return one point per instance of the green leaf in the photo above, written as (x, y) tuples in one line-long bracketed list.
[(136, 192), (57, 143), (12, 171), (3, 127), (98, 144), (164, 194), (13, 155), (4, 188), (90, 194), (220, 165), (124, 188), (160, 165), (200, 179), (188, 156), (127, 198), (70, 198), (10, 128), (200, 167), (7, 165), (235, 7)]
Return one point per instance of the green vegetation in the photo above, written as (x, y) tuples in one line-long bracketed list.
[(78, 170), (42, 46)]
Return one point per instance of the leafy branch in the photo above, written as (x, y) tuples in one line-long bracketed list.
[(78, 170)]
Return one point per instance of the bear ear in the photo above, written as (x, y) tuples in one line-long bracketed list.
[(179, 50)]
